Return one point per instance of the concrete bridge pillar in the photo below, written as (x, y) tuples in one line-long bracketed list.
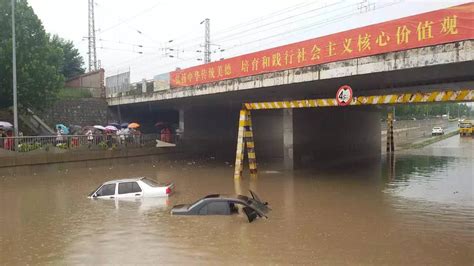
[(181, 123), (288, 159)]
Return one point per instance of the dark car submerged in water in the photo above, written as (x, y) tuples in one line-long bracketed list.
[(217, 204)]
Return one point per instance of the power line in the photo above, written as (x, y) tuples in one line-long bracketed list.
[(240, 25), (311, 26), (131, 17), (271, 15), (285, 24), (306, 27), (280, 20), (248, 31), (122, 50)]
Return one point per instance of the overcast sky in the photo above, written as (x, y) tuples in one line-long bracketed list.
[(237, 27)]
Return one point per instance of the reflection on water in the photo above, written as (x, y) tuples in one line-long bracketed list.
[(420, 212), (426, 190), (444, 176)]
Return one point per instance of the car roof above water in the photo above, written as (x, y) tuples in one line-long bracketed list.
[(225, 197), (133, 179)]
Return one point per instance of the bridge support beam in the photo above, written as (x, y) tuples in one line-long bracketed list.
[(288, 139)]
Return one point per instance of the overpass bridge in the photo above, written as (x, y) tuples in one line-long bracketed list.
[(427, 52)]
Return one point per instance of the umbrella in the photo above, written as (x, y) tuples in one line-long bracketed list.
[(63, 128), (99, 127), (134, 125), (117, 125), (160, 124), (111, 128), (75, 129), (124, 125), (4, 124), (91, 128)]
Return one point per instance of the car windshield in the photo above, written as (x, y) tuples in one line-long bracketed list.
[(151, 183), (93, 191), (255, 203), (258, 205)]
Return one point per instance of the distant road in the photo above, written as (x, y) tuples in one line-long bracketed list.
[(407, 132)]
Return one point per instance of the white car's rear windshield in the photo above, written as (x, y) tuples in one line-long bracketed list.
[(151, 183)]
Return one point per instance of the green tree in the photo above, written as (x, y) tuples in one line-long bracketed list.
[(73, 61), (38, 62)]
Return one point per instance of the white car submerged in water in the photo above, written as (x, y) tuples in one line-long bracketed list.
[(132, 188)]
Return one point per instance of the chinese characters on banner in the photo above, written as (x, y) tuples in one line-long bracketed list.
[(437, 27)]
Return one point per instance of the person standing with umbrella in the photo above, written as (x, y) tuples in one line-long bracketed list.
[(110, 131), (135, 133)]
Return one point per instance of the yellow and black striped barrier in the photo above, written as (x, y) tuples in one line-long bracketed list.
[(463, 95), (245, 138), (390, 142)]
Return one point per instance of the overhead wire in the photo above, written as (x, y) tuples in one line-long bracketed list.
[(240, 25), (249, 31), (270, 28), (282, 11), (161, 66), (280, 20), (311, 26), (144, 11)]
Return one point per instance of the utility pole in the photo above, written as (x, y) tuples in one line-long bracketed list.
[(91, 37), (15, 101), (207, 40)]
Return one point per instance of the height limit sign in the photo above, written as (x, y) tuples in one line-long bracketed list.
[(344, 95)]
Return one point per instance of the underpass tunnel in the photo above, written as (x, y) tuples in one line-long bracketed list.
[(147, 115), (310, 137)]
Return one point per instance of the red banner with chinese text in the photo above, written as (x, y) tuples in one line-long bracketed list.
[(432, 28)]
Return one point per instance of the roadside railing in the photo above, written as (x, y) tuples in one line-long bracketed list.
[(75, 142)]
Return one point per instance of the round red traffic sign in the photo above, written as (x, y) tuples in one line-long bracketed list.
[(344, 95)]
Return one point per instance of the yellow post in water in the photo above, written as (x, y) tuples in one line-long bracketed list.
[(245, 139)]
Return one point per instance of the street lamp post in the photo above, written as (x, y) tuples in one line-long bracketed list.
[(15, 107)]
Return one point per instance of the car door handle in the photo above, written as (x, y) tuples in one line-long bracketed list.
[(138, 194), (112, 197)]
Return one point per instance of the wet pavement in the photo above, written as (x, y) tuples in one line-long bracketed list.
[(414, 209)]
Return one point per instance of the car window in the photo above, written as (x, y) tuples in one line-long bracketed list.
[(129, 187), (218, 207), (106, 190), (203, 210)]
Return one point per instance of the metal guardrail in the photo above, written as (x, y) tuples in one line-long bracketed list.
[(76, 142)]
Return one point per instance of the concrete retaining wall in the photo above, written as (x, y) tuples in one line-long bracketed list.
[(82, 112), (10, 159)]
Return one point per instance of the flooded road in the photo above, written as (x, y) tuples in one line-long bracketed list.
[(420, 210)]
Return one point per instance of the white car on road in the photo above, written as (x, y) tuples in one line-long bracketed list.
[(132, 188), (437, 131)]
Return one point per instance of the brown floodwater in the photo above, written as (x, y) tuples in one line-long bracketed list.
[(419, 210)]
